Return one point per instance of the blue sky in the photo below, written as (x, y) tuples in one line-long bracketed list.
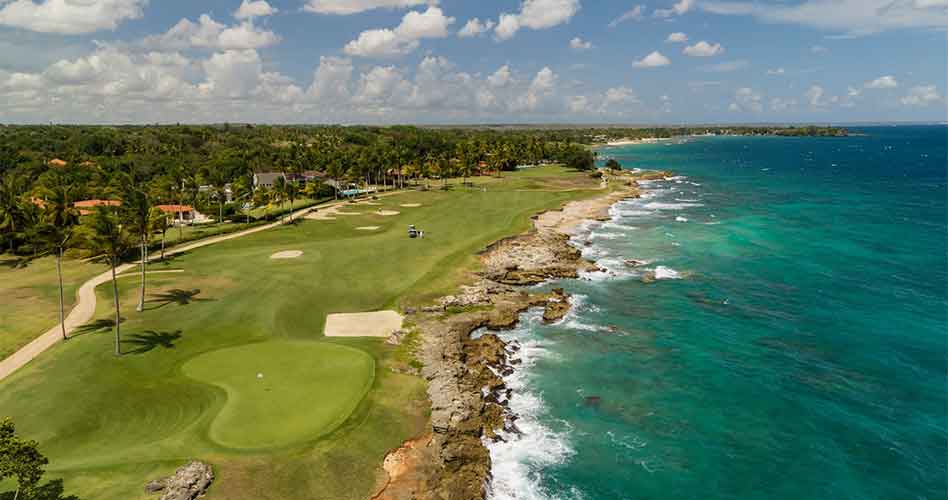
[(452, 61)]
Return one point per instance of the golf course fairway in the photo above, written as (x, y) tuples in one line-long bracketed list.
[(280, 393)]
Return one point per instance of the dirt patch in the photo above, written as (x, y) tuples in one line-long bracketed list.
[(288, 254), (411, 205), (387, 213), (371, 324), (368, 228)]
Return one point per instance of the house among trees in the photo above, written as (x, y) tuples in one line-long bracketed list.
[(86, 207), (179, 214), (56, 162), (266, 179)]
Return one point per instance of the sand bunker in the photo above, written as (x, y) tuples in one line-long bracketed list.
[(411, 205), (373, 324), (387, 213), (329, 214), (289, 254), (368, 228)]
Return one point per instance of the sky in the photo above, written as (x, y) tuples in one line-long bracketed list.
[(464, 61)]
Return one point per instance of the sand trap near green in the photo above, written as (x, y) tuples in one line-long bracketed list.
[(280, 393)]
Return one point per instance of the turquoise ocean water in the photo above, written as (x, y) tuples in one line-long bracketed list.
[(793, 345)]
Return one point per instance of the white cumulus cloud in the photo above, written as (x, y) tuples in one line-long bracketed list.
[(536, 15), (653, 60), (254, 8), (883, 82), (580, 44), (679, 8), (210, 34), (703, 49), (747, 99), (404, 38), (475, 27), (677, 37), (921, 96), (69, 17)]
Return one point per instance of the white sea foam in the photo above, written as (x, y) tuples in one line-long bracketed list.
[(666, 273), (519, 461), (681, 219), (670, 206)]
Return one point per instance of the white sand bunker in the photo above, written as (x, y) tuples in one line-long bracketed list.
[(387, 213), (329, 214), (289, 254), (372, 324), (411, 205), (368, 228)]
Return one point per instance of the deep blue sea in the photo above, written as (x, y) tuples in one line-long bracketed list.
[(784, 337)]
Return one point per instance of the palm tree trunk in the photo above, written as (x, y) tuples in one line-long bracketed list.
[(141, 297), (62, 307), (163, 245), (118, 317)]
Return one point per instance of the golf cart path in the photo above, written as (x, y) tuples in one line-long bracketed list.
[(85, 306)]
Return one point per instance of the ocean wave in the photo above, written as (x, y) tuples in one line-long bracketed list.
[(666, 273), (618, 225), (520, 459), (655, 205), (681, 219), (635, 213), (605, 236)]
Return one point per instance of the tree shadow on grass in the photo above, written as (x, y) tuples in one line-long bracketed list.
[(176, 296), (150, 340), (13, 262), (51, 490), (96, 326)]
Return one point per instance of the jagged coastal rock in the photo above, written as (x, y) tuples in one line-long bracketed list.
[(466, 388)]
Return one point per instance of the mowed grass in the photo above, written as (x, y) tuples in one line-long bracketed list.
[(279, 392), (109, 424), (29, 296)]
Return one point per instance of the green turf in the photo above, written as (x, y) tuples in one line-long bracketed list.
[(109, 424), (279, 392), (29, 296)]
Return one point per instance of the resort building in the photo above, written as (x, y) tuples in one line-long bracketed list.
[(86, 207), (266, 179), (179, 214)]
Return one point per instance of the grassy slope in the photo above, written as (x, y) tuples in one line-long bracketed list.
[(109, 424)]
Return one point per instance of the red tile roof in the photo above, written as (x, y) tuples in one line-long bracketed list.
[(173, 209)]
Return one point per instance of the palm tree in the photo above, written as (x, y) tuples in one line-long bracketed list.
[(291, 191), (137, 211), (110, 239), (60, 218), (278, 193), (158, 223), (10, 208)]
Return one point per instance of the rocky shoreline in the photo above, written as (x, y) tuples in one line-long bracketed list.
[(469, 400)]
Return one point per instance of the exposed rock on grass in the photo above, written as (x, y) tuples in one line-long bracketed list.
[(187, 483)]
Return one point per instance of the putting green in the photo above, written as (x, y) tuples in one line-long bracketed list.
[(280, 393)]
